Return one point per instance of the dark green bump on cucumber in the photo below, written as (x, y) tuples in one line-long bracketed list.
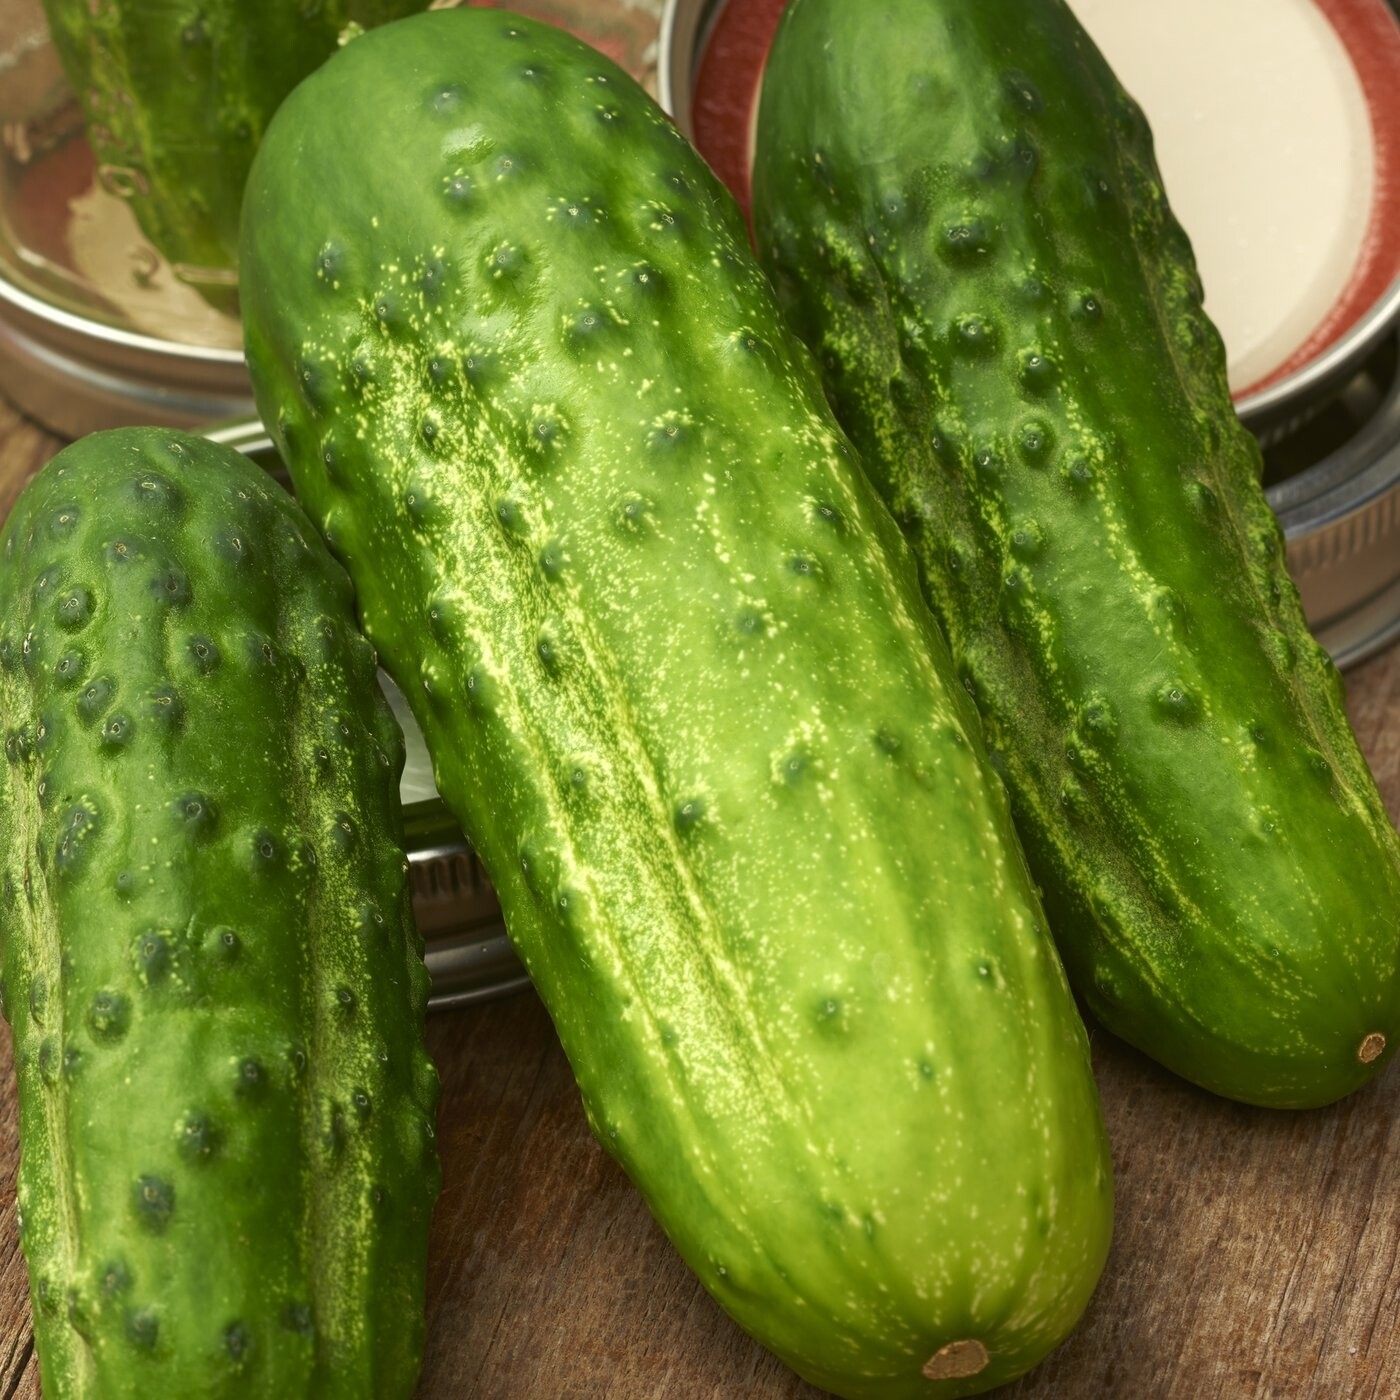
[(176, 98), (1239, 895), (671, 621), (174, 1192)]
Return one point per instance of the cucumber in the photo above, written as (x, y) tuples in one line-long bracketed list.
[(208, 960), (963, 218), (669, 656), (176, 97)]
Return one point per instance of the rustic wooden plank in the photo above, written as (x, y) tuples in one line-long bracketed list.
[(1256, 1254), (549, 1277), (24, 448)]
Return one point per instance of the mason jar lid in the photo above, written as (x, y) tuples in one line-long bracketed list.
[(1286, 174), (1314, 360), (96, 328)]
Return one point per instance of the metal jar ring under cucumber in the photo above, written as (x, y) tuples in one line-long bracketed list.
[(466, 949)]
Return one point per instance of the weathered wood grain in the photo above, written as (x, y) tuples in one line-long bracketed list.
[(1256, 1254)]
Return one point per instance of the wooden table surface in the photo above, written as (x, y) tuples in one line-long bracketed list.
[(1256, 1253)]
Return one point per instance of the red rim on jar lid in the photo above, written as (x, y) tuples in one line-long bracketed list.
[(1286, 173), (1307, 146)]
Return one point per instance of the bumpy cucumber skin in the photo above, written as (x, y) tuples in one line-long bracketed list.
[(963, 217), (209, 961), (679, 687), (176, 99)]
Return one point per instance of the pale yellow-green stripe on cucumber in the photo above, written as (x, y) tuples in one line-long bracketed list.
[(669, 655), (207, 952)]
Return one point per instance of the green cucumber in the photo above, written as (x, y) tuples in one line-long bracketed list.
[(176, 98), (669, 655), (208, 960), (962, 215)]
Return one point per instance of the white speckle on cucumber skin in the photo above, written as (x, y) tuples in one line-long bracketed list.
[(631, 875), (1217, 453)]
